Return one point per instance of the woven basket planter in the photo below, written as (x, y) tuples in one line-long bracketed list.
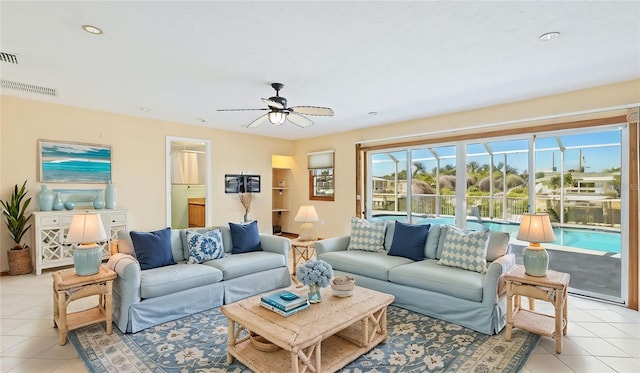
[(20, 261)]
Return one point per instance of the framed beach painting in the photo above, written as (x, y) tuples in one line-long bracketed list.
[(72, 162)]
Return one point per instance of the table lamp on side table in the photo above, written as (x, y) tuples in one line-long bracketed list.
[(86, 230), (307, 215), (536, 228)]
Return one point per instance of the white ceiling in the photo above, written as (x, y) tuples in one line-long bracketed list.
[(404, 60)]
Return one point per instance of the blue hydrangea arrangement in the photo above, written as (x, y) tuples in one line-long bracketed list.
[(316, 272)]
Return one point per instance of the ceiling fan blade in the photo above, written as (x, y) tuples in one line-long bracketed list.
[(241, 109), (261, 119), (272, 103), (299, 120), (313, 110)]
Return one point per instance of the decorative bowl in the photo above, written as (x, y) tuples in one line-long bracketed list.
[(342, 293), (343, 283), (343, 286)]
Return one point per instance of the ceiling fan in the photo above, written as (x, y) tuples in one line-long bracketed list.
[(279, 112)]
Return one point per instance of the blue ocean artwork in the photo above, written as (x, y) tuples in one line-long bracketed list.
[(74, 163)]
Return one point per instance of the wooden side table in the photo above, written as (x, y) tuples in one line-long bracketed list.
[(551, 288), (301, 250), (68, 286)]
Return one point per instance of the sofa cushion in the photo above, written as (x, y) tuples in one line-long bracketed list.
[(178, 248), (431, 246), (237, 265), (498, 245), (205, 246), (245, 237), (467, 250), (125, 245), (367, 236), (157, 282), (409, 240), (389, 233), (441, 239), (428, 275), (153, 249), (365, 263)]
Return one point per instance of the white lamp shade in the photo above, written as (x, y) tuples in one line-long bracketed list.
[(536, 228), (86, 228), (307, 214)]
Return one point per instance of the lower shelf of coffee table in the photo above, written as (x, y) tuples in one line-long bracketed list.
[(335, 354)]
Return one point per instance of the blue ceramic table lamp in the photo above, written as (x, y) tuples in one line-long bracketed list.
[(86, 230), (536, 228)]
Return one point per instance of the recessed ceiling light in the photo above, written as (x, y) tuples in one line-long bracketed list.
[(373, 113), (145, 109), (549, 36), (92, 29)]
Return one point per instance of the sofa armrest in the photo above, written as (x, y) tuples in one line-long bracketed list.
[(332, 244), (493, 283), (275, 244), (127, 283)]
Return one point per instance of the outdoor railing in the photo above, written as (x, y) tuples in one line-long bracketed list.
[(601, 213)]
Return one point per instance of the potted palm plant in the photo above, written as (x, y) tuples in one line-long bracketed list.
[(14, 213)]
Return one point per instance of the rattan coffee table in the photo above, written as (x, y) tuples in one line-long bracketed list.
[(323, 338)]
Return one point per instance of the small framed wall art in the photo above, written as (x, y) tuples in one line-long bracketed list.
[(241, 183), (73, 162)]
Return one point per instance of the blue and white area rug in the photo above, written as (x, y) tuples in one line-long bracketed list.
[(416, 343)]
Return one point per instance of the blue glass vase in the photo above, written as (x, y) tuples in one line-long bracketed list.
[(46, 198), (57, 203), (98, 203), (315, 295), (110, 196)]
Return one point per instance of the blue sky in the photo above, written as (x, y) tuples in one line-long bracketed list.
[(595, 151)]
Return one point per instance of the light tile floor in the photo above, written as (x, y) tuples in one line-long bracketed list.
[(601, 337)]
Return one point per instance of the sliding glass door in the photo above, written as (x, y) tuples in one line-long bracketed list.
[(574, 175)]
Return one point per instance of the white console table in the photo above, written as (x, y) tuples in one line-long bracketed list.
[(50, 230)]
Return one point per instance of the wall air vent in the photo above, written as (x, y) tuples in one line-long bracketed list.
[(8, 57), (28, 88)]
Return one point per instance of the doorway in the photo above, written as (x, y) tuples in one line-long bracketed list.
[(188, 165)]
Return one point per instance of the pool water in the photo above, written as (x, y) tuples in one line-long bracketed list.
[(589, 239)]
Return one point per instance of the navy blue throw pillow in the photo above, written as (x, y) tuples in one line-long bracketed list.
[(409, 240), (245, 237), (153, 249)]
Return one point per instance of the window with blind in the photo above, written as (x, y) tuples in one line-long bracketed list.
[(321, 176)]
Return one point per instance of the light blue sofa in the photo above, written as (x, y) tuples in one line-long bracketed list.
[(471, 299), (144, 298)]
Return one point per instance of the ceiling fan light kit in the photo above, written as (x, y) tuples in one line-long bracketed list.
[(277, 117), (279, 112)]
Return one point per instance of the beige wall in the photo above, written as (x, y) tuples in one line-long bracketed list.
[(138, 156), (138, 146), (335, 215)]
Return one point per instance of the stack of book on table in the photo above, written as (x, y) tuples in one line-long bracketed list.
[(284, 302)]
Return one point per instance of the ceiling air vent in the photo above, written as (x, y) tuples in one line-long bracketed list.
[(28, 88), (8, 57)]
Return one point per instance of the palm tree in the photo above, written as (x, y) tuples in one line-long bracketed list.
[(472, 167), (419, 168)]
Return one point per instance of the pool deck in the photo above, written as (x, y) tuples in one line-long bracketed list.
[(591, 273)]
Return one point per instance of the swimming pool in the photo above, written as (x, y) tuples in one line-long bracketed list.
[(583, 238)]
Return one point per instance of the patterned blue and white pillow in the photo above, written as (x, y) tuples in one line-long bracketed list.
[(205, 246), (465, 250), (367, 236)]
